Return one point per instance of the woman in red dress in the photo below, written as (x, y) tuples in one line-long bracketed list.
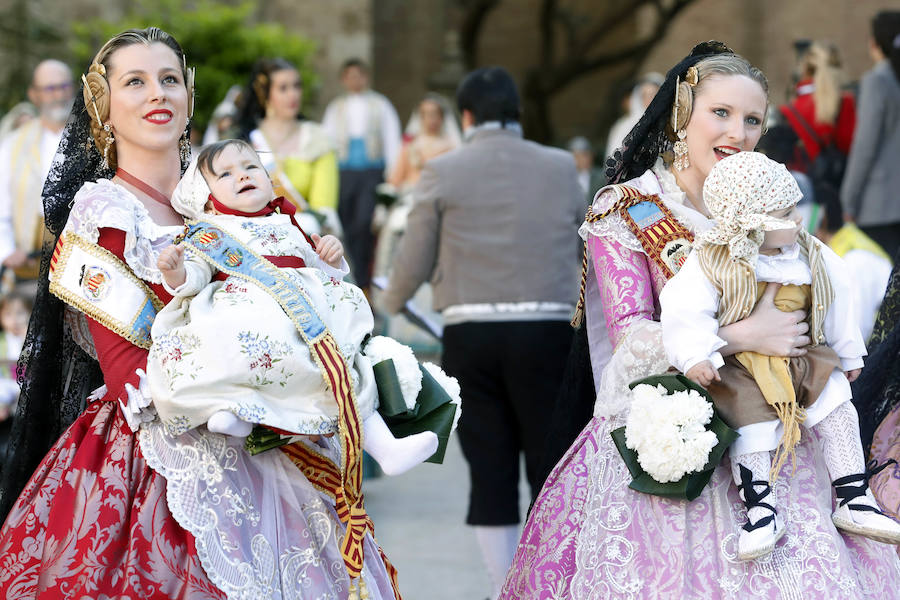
[(820, 105), (106, 512)]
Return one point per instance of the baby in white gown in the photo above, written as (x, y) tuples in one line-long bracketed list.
[(226, 354)]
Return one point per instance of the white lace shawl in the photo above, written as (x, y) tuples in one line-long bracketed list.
[(106, 204), (657, 180)]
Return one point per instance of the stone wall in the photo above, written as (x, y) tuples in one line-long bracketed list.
[(408, 39)]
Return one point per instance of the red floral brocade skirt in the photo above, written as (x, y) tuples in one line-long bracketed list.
[(93, 523)]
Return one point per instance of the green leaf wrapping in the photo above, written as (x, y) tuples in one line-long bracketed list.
[(433, 411), (390, 395), (691, 485), (262, 439)]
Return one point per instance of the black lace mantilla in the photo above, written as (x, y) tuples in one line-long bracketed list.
[(55, 374)]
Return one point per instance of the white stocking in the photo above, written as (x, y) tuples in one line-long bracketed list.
[(393, 455), (498, 547), (224, 421), (759, 464), (839, 434)]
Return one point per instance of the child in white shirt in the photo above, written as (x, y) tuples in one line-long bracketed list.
[(758, 239)]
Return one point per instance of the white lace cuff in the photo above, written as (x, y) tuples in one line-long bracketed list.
[(338, 274), (639, 354), (138, 410)]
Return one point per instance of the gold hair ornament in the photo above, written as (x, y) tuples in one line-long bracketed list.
[(680, 149), (97, 73)]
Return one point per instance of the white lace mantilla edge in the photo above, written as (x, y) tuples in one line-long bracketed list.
[(261, 529), (657, 180), (106, 204), (612, 226)]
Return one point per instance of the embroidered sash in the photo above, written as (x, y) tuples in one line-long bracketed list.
[(664, 239), (343, 482), (94, 280)]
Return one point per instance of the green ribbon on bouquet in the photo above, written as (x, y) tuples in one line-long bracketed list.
[(691, 485), (433, 411), (262, 438)]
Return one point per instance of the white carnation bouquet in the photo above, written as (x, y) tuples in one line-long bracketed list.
[(673, 439), (668, 431), (413, 397)]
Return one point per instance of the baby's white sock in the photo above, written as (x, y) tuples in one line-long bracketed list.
[(394, 455), (839, 436), (226, 422)]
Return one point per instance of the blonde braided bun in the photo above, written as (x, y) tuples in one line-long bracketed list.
[(96, 102), (682, 110)]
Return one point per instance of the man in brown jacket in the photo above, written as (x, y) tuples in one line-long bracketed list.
[(494, 229)]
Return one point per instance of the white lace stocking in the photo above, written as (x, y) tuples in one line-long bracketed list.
[(759, 464), (839, 436)]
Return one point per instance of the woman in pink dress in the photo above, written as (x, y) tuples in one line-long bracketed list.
[(588, 534), (119, 507)]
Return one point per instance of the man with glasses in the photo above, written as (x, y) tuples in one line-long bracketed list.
[(25, 158)]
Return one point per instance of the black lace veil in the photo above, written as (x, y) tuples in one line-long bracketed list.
[(646, 141), (55, 373)]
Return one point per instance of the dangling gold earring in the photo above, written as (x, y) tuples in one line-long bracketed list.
[(681, 161), (184, 146), (680, 149), (108, 141)]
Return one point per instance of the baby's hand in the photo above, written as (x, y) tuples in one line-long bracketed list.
[(329, 249), (171, 263), (703, 373), (852, 374)]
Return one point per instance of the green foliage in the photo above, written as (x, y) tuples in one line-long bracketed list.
[(222, 42), (26, 37)]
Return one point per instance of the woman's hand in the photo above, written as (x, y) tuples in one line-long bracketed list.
[(329, 249), (852, 374), (768, 330), (171, 264)]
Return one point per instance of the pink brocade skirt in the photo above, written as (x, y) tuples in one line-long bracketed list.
[(589, 536), (93, 523)]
